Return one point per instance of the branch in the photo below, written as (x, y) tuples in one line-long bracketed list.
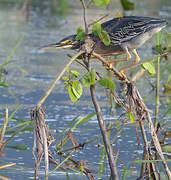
[(104, 62), (84, 14), (98, 20), (42, 100), (104, 133)]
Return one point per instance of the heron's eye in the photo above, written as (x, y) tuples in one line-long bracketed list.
[(67, 42)]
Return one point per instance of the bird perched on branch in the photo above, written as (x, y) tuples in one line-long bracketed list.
[(126, 34)]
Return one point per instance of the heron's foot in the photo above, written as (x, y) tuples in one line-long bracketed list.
[(107, 65), (123, 76)]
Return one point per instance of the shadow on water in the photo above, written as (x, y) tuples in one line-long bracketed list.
[(31, 72)]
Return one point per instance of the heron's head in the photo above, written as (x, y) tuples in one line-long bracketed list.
[(69, 42)]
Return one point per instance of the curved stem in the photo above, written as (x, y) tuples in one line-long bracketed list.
[(42, 100)]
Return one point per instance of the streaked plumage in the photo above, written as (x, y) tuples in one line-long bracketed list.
[(126, 34)]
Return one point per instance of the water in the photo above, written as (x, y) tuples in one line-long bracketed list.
[(31, 72)]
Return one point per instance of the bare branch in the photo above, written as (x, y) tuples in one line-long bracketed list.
[(84, 14)]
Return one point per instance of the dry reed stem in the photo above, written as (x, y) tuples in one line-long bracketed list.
[(7, 165), (40, 134), (136, 102), (2, 145)]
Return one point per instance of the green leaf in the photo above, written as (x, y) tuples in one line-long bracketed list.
[(80, 34), (3, 84), (107, 83), (71, 94), (166, 148), (131, 116), (102, 161), (65, 78), (99, 32), (101, 3), (89, 78), (77, 88), (82, 120), (69, 124), (106, 38), (97, 29), (75, 73), (18, 147), (125, 171), (149, 66), (81, 168), (127, 5)]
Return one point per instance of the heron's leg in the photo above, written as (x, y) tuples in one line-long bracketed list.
[(127, 58), (137, 59)]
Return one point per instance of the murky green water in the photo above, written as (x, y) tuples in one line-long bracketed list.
[(31, 72)]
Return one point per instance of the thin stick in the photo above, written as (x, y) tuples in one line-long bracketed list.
[(157, 94), (106, 141), (4, 126), (84, 14), (157, 144), (45, 146), (98, 20), (116, 72), (42, 100)]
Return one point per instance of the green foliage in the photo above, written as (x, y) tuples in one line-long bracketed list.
[(149, 66), (89, 78), (105, 38), (71, 94), (75, 73), (102, 34), (74, 86), (166, 148), (82, 120), (18, 147), (167, 42), (6, 62), (107, 83), (75, 90), (97, 29), (125, 171), (80, 34), (130, 116), (69, 124), (4, 84), (159, 49), (60, 6), (101, 3), (102, 161), (127, 5)]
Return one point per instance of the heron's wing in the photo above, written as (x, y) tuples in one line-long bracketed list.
[(128, 27)]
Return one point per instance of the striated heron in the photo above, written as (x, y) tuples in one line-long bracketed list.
[(126, 33)]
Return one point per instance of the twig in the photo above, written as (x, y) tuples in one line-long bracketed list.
[(84, 14), (42, 100), (135, 99), (104, 62), (157, 93), (98, 20), (106, 141), (157, 144), (4, 126)]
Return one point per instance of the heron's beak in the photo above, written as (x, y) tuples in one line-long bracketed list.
[(56, 46)]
